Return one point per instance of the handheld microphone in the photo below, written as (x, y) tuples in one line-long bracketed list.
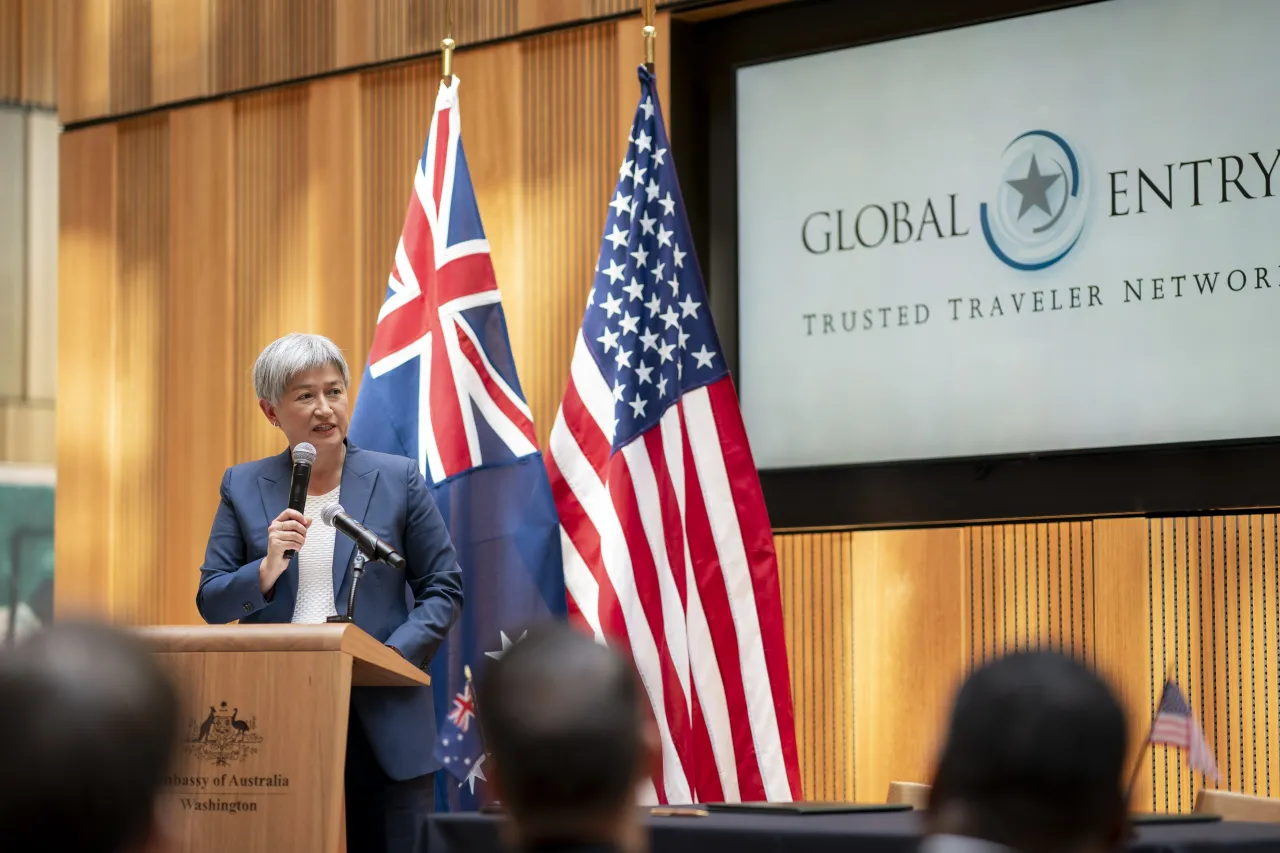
[(366, 540), (303, 456)]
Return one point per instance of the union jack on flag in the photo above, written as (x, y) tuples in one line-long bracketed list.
[(464, 708), (460, 749), (443, 310), (441, 387)]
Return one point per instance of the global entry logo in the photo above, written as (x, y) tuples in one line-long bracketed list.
[(1038, 213), (1038, 202), (1031, 208)]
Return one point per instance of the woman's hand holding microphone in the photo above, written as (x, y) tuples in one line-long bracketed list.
[(287, 533)]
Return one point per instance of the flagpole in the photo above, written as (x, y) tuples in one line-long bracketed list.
[(447, 45), (650, 34), (1137, 767)]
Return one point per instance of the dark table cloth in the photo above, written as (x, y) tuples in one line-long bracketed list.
[(887, 832)]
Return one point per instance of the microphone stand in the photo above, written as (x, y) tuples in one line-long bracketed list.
[(357, 569)]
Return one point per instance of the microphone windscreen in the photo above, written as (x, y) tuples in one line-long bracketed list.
[(329, 513), (304, 452)]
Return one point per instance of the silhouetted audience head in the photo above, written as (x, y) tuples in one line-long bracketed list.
[(1034, 759), (88, 723), (566, 722)]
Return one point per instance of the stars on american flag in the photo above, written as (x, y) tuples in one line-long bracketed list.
[(646, 321)]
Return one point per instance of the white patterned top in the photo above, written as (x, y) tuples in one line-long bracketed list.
[(315, 564)]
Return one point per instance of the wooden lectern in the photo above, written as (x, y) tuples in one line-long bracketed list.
[(264, 735)]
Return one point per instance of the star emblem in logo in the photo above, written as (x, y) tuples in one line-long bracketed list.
[(1034, 189), (1038, 170)]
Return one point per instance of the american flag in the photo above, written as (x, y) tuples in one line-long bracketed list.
[(667, 547), (441, 387), (1175, 726)]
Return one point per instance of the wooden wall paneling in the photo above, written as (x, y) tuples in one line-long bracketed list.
[(1267, 604), (1122, 627), (406, 28), (630, 52), (601, 8), (1213, 610), (538, 14), (572, 151), (180, 49), (10, 50), (729, 7), (130, 50), (492, 103), (334, 216), (204, 377), (257, 42), (480, 20), (908, 602), (1029, 586), (271, 242), (399, 29), (354, 41), (84, 59), (87, 305), (146, 53), (27, 55), (1214, 626), (39, 52), (138, 573), (815, 575)]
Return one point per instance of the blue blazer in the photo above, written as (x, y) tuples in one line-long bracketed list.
[(411, 611)]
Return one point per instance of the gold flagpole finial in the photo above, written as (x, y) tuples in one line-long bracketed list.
[(466, 671), (650, 34), (448, 44)]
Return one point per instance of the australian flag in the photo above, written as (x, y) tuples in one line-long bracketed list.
[(441, 387), (459, 747)]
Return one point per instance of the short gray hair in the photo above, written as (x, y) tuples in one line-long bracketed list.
[(284, 358)]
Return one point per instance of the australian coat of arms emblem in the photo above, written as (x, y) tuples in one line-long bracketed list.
[(221, 736)]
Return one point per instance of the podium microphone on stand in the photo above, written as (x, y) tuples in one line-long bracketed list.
[(368, 547), (303, 457)]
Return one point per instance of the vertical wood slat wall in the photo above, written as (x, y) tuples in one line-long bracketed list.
[(882, 625), (1214, 605), (192, 237), (28, 54), (120, 56)]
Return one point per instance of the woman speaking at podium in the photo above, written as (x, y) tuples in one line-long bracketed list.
[(266, 562)]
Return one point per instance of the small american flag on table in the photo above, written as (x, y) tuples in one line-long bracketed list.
[(1175, 726), (668, 553)]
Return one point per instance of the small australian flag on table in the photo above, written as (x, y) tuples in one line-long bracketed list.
[(459, 748)]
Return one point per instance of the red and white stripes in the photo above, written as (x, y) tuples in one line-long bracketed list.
[(668, 555)]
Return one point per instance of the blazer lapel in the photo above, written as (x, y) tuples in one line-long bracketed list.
[(357, 487), (273, 487)]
